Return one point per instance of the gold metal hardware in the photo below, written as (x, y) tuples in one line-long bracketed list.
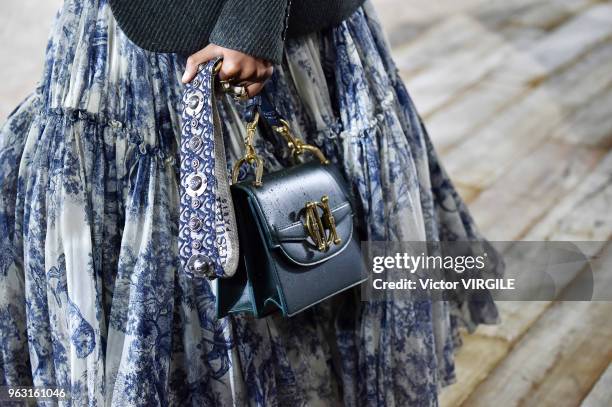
[(217, 67), (297, 145), (321, 228), (250, 156)]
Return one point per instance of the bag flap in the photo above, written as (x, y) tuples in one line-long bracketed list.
[(281, 205)]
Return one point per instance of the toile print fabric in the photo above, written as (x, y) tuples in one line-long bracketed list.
[(92, 296)]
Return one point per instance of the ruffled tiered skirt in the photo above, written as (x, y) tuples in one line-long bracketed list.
[(92, 297)]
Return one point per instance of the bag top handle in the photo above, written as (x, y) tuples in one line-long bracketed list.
[(260, 107)]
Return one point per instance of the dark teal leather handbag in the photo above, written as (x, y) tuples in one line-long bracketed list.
[(296, 229)]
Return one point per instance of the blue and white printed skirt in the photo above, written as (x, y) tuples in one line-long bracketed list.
[(92, 297)]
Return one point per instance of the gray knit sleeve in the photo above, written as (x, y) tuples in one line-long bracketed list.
[(255, 27)]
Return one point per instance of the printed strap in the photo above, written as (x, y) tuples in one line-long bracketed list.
[(208, 238)]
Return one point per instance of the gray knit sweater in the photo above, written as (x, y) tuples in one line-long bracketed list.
[(255, 27)]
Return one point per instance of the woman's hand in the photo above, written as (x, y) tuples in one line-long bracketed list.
[(238, 68)]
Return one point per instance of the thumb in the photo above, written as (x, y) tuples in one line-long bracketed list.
[(204, 55)]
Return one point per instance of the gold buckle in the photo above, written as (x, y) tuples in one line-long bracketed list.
[(321, 227)]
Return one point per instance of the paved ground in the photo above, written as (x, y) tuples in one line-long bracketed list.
[(517, 95)]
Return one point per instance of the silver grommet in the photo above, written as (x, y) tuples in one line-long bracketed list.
[(195, 142), (201, 265), (195, 184), (193, 102), (195, 203), (195, 163), (195, 224), (197, 245)]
